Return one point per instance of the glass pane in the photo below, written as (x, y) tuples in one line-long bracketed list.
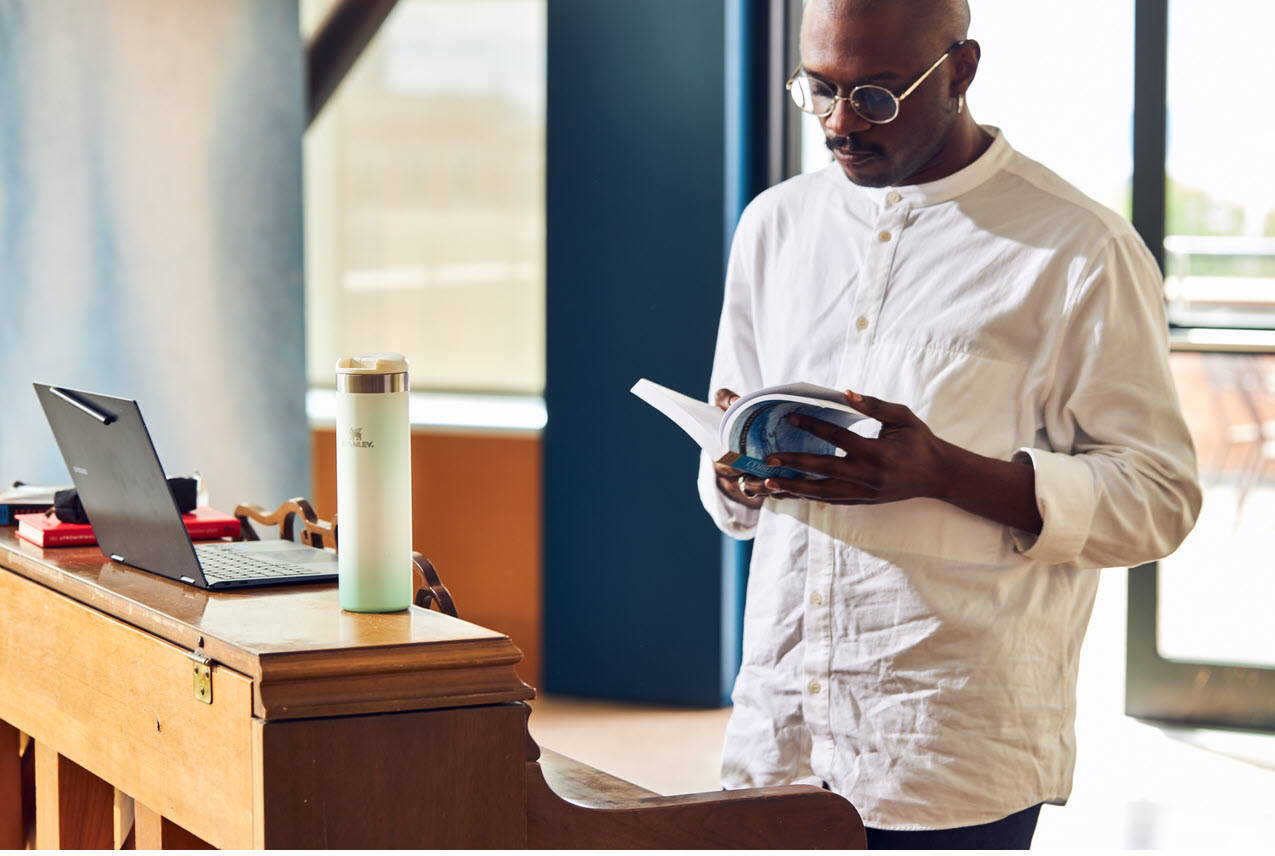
[(1220, 208), (1057, 78), (1216, 591), (425, 199)]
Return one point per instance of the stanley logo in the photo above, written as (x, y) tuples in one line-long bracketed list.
[(356, 440)]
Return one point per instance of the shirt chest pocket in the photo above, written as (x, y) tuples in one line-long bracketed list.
[(977, 403)]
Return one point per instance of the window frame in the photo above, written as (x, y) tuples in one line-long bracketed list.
[(1193, 693)]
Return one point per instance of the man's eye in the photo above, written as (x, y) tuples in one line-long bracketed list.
[(821, 90)]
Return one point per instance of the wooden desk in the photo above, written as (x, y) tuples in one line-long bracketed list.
[(313, 727)]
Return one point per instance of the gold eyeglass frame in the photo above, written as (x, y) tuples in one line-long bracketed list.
[(849, 99)]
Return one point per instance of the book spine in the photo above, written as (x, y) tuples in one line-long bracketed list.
[(41, 538), (210, 529), (62, 539)]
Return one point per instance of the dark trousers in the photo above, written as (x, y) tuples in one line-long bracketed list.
[(1009, 833)]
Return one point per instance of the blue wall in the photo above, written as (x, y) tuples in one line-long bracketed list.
[(639, 604)]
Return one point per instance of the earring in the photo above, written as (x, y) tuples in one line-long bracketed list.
[(960, 104)]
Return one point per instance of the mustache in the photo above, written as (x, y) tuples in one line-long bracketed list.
[(849, 143)]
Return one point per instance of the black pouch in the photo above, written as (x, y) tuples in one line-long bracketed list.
[(69, 509)]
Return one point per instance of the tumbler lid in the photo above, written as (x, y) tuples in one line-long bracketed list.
[(372, 373), (372, 364)]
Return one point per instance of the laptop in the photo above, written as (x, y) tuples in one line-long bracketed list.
[(112, 461)]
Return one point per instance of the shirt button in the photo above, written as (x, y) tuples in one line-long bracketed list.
[(815, 688), (861, 323), (893, 197), (883, 236), (816, 599)]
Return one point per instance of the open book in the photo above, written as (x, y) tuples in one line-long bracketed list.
[(755, 425)]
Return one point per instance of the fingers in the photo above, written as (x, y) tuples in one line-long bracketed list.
[(843, 439), (724, 398), (885, 412), (823, 490), (750, 487), (830, 466), (728, 482), (758, 487), (757, 492)]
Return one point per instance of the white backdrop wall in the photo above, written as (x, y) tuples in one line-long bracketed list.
[(151, 232)]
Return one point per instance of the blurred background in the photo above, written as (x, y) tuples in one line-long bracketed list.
[(532, 200)]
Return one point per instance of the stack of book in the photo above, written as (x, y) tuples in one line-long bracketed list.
[(24, 499), (45, 530)]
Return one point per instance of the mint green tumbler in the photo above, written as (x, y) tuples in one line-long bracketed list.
[(373, 483)]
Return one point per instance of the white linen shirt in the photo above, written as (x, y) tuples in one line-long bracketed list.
[(919, 659)]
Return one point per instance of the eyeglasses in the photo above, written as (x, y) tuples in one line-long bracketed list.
[(874, 104)]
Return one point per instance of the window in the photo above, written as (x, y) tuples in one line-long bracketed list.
[(1216, 591), (1220, 218), (425, 199)]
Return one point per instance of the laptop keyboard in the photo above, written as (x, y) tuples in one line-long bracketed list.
[(221, 564)]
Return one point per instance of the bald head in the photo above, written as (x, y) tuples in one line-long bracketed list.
[(938, 23)]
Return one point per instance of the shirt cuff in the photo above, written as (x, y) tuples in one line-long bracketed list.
[(1066, 498), (737, 521)]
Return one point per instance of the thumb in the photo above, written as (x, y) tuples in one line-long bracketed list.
[(885, 412)]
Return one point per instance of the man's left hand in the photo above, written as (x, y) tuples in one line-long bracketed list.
[(904, 461)]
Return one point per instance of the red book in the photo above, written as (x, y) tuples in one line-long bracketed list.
[(45, 530)]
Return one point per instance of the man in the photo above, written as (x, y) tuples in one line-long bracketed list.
[(914, 618)]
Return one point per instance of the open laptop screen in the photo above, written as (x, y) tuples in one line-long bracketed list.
[(113, 462)]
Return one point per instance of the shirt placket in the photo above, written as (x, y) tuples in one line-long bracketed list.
[(878, 262), (817, 645)]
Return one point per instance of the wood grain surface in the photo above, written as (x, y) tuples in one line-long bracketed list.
[(124, 817), (74, 808), (576, 781), (768, 818), (11, 837), (305, 656), (120, 703), (429, 779), (155, 832)]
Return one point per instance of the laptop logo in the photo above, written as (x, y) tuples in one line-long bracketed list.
[(356, 440), (80, 470)]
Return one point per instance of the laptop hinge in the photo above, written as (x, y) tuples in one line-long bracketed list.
[(203, 676)]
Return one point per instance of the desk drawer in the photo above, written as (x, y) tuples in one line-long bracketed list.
[(121, 703)]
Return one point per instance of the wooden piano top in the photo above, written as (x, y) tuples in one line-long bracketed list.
[(306, 656)]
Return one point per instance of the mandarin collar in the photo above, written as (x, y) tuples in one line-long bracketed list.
[(944, 189)]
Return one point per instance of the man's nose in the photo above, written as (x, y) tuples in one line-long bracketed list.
[(843, 121)]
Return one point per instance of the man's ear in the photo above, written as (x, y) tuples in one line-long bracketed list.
[(964, 62)]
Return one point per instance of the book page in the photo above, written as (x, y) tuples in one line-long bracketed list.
[(809, 392), (699, 419)]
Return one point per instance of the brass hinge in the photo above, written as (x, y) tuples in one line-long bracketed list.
[(203, 676)]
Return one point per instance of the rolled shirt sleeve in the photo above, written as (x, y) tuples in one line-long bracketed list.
[(1116, 478)]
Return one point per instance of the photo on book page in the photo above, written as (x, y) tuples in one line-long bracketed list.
[(755, 425), (763, 430)]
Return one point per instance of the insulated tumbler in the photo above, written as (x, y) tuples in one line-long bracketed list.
[(373, 483)]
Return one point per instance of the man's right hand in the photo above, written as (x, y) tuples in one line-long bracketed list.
[(729, 478)]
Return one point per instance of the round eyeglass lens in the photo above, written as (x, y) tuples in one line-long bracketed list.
[(874, 103), (801, 94)]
